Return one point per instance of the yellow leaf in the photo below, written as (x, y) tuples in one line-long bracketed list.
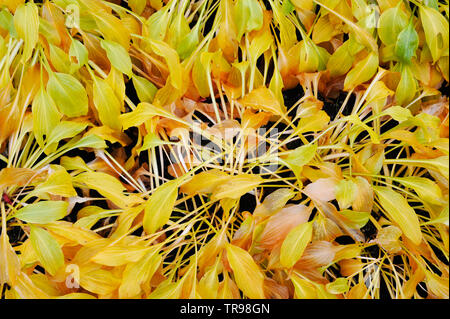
[(173, 62), (303, 288), (346, 191), (47, 249), (236, 186), (205, 182), (398, 209), (119, 254), (262, 99), (98, 281), (45, 115), (435, 26), (247, 274), (427, 190), (9, 261), (106, 185), (72, 232), (68, 94), (58, 183), (26, 23), (295, 243), (107, 103), (135, 274), (362, 71), (159, 207)]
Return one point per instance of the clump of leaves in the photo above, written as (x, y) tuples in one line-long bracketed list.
[(224, 149)]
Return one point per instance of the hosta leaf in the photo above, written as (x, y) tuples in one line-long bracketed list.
[(137, 5), (58, 183), (143, 112), (407, 43), (236, 186), (118, 56), (391, 23), (65, 129), (106, 185), (151, 140), (78, 54), (43, 212), (112, 27), (407, 87), (107, 103), (118, 255), (313, 123), (59, 59), (427, 190), (247, 274), (362, 71), (173, 62), (135, 274), (295, 243), (399, 211), (339, 286), (355, 219), (45, 115), (159, 207), (98, 281), (9, 261), (435, 26), (248, 16), (47, 249), (346, 191), (68, 93), (26, 24), (205, 182), (145, 89), (341, 61), (262, 99), (303, 288)]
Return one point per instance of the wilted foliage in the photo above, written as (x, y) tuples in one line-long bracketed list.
[(224, 149)]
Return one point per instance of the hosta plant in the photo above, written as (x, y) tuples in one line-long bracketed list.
[(224, 149)]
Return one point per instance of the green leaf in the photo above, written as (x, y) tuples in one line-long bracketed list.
[(407, 87), (248, 16), (145, 89), (64, 129), (118, 56), (391, 23), (43, 212), (78, 54), (339, 286), (407, 43), (68, 93), (47, 250)]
